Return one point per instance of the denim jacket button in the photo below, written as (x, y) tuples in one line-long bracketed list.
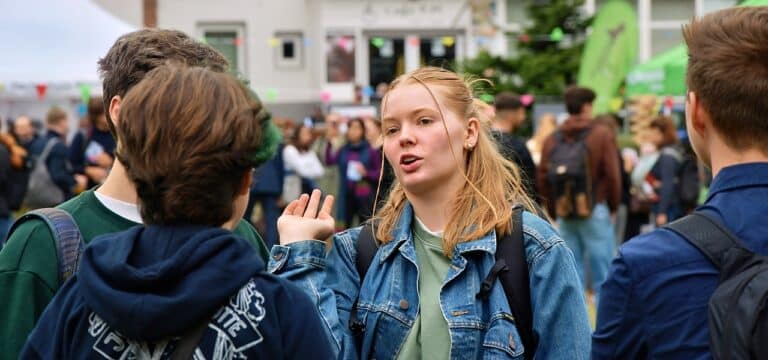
[(404, 304), (278, 256)]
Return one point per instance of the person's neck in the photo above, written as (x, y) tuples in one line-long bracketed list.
[(721, 156), (118, 186), (504, 126), (433, 207)]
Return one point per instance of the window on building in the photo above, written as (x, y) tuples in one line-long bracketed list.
[(288, 49), (229, 40), (676, 10), (340, 58), (708, 6), (517, 13), (665, 39), (438, 51)]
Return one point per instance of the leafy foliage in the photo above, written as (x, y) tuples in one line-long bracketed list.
[(546, 64)]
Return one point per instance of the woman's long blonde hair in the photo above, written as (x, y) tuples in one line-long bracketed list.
[(494, 183)]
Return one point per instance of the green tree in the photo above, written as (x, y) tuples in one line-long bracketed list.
[(549, 51)]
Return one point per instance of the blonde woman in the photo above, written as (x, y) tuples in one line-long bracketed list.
[(438, 231), (547, 125)]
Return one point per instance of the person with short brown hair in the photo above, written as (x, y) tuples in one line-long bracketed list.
[(657, 299), (585, 206), (112, 207), (509, 115), (52, 149), (150, 285)]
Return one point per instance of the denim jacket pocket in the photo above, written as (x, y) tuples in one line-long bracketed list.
[(502, 341)]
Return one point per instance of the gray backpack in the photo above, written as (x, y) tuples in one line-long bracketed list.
[(42, 192)]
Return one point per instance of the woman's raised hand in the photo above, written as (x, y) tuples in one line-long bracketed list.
[(301, 219)]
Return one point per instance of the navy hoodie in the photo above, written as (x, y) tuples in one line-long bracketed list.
[(139, 290)]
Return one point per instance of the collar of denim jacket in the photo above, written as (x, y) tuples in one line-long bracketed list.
[(402, 233)]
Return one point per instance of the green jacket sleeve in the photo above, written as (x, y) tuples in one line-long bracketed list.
[(28, 282)]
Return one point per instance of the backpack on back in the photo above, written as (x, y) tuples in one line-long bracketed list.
[(511, 269), (42, 192), (569, 176), (687, 181), (66, 235), (738, 309)]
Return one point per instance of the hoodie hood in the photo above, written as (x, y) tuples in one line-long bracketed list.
[(153, 282), (574, 124)]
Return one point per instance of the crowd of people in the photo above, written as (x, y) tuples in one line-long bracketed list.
[(433, 231)]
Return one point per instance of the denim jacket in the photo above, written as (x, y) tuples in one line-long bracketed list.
[(479, 328)]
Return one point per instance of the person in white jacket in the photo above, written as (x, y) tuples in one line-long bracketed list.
[(300, 161)]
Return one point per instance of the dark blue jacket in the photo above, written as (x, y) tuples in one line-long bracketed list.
[(57, 163), (138, 290), (666, 171), (269, 177), (513, 149), (654, 303)]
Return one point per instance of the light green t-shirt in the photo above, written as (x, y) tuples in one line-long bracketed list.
[(429, 337), (29, 270)]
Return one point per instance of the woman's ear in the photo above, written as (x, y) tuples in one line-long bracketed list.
[(472, 132)]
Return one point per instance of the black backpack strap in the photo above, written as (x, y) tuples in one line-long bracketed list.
[(516, 281), (186, 346), (366, 249), (707, 235), (66, 234), (511, 268)]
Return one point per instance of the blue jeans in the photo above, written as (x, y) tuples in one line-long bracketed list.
[(591, 240), (5, 225)]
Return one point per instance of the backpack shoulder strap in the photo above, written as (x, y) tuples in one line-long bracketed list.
[(47, 149), (583, 133), (66, 234), (366, 249), (186, 346), (707, 235), (510, 250)]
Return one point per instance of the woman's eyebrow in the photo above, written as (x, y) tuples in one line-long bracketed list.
[(412, 112)]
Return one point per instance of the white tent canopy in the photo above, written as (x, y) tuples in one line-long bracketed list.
[(53, 42)]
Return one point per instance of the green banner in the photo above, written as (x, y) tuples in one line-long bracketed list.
[(610, 52), (664, 74)]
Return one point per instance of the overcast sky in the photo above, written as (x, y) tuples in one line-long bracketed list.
[(54, 40)]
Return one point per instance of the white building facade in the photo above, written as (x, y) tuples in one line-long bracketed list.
[(298, 54)]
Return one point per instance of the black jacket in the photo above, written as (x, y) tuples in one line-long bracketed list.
[(513, 149)]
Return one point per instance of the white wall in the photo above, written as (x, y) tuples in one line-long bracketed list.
[(262, 19)]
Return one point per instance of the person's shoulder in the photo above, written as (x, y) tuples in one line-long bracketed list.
[(658, 251), (347, 239), (31, 249), (283, 294), (539, 237)]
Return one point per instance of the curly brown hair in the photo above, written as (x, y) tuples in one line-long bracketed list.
[(187, 135), (135, 54)]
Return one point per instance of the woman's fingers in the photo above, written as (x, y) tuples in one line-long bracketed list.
[(291, 207), (326, 210), (314, 202), (301, 205)]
